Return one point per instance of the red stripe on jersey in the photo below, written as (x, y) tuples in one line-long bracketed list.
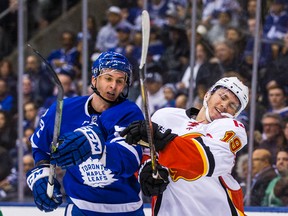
[(236, 197), (185, 159)]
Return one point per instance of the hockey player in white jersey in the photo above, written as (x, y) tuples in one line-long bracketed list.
[(100, 166), (196, 154)]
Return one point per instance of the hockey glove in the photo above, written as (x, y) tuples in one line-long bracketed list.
[(149, 185), (137, 131), (37, 180), (76, 147)]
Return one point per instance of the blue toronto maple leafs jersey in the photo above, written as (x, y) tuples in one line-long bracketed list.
[(97, 187)]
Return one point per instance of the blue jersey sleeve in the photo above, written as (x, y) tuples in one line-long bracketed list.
[(121, 157), (41, 138)]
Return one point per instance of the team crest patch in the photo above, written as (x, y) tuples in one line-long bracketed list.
[(95, 174)]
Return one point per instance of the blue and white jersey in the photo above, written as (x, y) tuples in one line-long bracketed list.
[(97, 187)]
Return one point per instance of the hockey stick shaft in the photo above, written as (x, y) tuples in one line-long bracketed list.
[(58, 118), (145, 43)]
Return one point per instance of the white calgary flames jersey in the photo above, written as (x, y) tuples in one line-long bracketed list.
[(200, 161)]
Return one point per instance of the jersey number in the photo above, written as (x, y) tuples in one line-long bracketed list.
[(235, 143)]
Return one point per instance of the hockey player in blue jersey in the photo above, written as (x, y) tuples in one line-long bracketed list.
[(100, 166)]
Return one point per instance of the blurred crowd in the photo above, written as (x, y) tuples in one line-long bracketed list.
[(225, 35)]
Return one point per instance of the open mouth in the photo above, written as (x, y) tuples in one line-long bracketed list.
[(110, 95)]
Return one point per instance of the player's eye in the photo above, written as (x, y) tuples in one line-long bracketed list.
[(109, 79), (223, 96), (233, 106), (120, 81)]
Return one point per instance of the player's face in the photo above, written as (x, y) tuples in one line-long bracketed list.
[(111, 83), (222, 101)]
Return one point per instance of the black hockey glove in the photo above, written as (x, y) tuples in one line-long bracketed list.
[(136, 131), (149, 185)]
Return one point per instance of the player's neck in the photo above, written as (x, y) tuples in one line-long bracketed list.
[(98, 104), (201, 117)]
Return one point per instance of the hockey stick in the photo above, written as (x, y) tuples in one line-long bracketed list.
[(145, 43), (58, 118)]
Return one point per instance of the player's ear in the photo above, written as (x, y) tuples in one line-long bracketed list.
[(93, 80), (207, 96)]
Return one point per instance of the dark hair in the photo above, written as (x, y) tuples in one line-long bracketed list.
[(281, 187)]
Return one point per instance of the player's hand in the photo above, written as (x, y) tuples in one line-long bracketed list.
[(149, 185), (77, 146), (137, 131), (37, 180)]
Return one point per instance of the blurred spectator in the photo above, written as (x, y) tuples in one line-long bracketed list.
[(91, 37), (241, 169), (181, 101), (26, 140), (41, 79), (67, 55), (281, 190), (212, 6), (7, 101), (107, 35), (266, 54), (28, 89), (7, 131), (31, 118), (6, 164), (134, 14), (170, 93), (201, 90), (285, 129), (154, 86), (276, 22), (244, 116), (282, 167), (6, 188), (277, 98), (251, 9), (272, 137), (68, 87), (202, 73), (157, 10), (236, 36), (217, 31), (226, 57), (171, 19), (156, 47), (175, 58), (277, 73), (7, 74), (124, 45), (28, 164), (91, 40), (263, 172)]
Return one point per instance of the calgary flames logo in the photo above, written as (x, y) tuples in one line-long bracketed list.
[(199, 163)]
